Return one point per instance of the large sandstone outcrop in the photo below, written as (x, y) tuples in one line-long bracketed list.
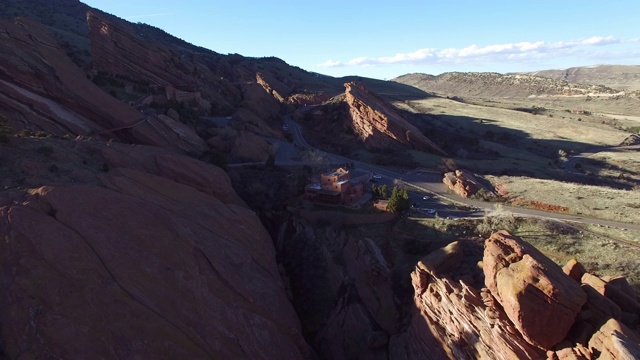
[(380, 125), (133, 252), (529, 308), (463, 183), (532, 289), (454, 320)]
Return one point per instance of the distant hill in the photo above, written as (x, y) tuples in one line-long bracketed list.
[(622, 77), (481, 84)]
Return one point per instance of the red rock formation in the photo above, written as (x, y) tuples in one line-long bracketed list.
[(42, 89), (530, 309), (308, 98), (463, 183), (380, 125), (456, 321), (533, 291), (154, 258), (250, 147), (273, 87), (574, 270), (613, 340), (41, 85)]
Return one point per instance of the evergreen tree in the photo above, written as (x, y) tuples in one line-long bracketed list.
[(405, 201), (399, 200), (383, 190), (394, 200)]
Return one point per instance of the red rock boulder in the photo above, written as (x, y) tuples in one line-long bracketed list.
[(463, 183), (540, 300)]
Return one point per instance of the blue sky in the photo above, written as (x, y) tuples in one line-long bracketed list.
[(385, 39)]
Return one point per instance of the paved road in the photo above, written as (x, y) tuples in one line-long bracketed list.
[(435, 186)]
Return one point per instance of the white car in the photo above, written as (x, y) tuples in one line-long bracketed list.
[(426, 197), (377, 177), (431, 211)]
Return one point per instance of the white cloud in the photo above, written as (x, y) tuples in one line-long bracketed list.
[(599, 40), (521, 51), (330, 63)]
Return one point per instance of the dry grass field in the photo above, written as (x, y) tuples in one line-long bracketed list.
[(621, 164), (544, 132), (520, 137), (479, 118), (591, 201)]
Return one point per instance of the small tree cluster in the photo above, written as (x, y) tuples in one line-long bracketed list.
[(381, 191), (399, 200)]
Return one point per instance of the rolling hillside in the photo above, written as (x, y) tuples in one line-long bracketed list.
[(622, 77), (499, 85)]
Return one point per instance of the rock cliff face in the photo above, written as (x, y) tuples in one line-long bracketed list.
[(380, 125), (529, 309), (119, 251)]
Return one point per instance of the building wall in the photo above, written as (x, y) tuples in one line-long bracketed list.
[(350, 193)]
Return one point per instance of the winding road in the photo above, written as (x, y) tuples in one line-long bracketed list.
[(436, 187)]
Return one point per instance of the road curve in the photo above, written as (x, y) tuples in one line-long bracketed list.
[(440, 190)]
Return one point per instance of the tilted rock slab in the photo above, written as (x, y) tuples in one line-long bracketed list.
[(540, 300), (380, 125)]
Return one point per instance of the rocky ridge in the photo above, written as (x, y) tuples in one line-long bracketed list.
[(478, 84), (379, 125), (516, 304), (43, 90), (623, 77)]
